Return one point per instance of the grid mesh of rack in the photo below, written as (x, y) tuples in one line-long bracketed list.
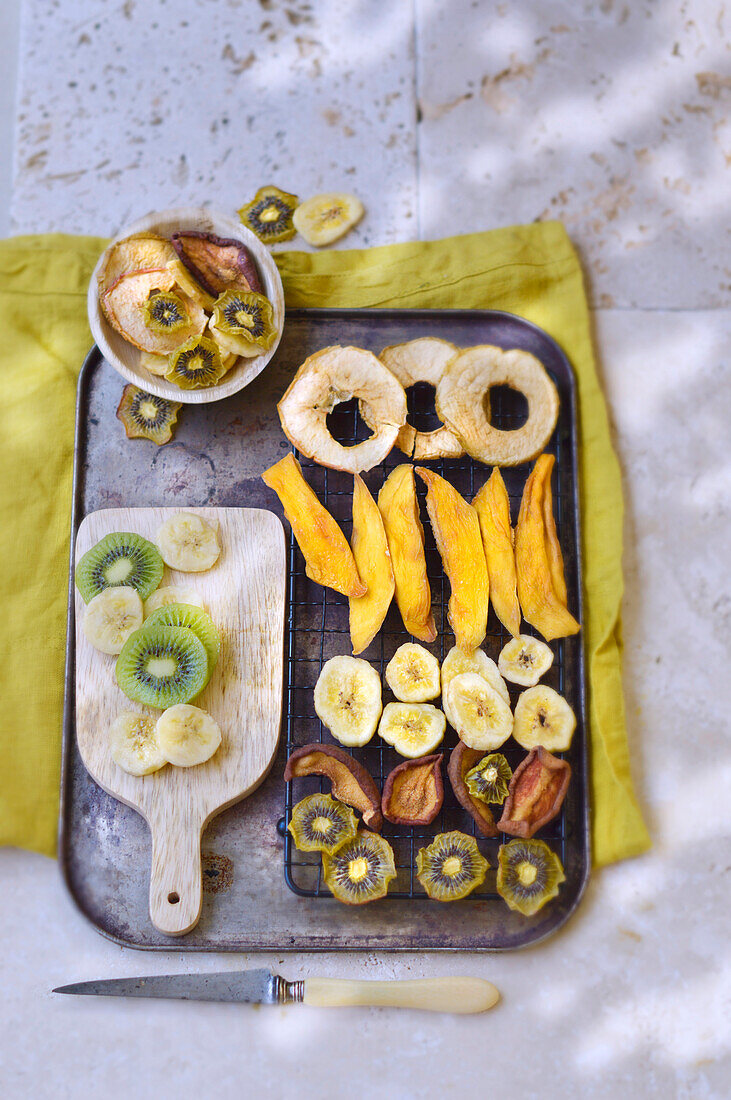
[(318, 630)]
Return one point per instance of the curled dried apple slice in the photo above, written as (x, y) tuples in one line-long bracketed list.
[(373, 561), (536, 793), (351, 782), (423, 360), (328, 558), (535, 565), (457, 534), (124, 306), (399, 508), (493, 510), (414, 792), (142, 252)]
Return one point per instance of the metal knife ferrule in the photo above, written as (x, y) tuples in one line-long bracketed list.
[(287, 993)]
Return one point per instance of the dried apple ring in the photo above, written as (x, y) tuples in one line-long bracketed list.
[(423, 360), (325, 379), (461, 393)]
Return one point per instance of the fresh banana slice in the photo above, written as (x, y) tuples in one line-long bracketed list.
[(543, 717), (187, 735), (458, 661), (348, 699), (524, 660), (188, 543), (414, 729), (172, 593), (413, 674), (111, 616), (134, 745), (482, 719), (326, 218)]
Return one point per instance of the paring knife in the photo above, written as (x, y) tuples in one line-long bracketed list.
[(460, 995)]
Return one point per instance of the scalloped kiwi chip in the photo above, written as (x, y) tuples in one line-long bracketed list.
[(269, 214), (165, 312), (125, 305), (361, 870), (451, 866), (146, 416), (490, 779), (529, 874), (243, 323), (321, 824), (196, 364)]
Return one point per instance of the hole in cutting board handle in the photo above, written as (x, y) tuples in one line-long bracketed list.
[(173, 898)]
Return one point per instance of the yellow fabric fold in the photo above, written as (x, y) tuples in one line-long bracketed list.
[(529, 270)]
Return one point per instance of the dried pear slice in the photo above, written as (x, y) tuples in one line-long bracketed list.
[(328, 217), (146, 416), (361, 870), (320, 824), (325, 379), (541, 603), (462, 760), (492, 505), (461, 393), (413, 792), (399, 508), (141, 252), (373, 562), (216, 263), (489, 781), (457, 534), (196, 364), (124, 305), (423, 360), (269, 214), (529, 874), (451, 867), (536, 794), (245, 321), (328, 558), (351, 783)]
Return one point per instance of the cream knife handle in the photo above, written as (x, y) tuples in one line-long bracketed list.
[(431, 994)]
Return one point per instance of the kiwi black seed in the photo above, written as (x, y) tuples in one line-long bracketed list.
[(121, 558), (160, 666)]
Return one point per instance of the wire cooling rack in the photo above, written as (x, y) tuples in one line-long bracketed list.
[(318, 630)]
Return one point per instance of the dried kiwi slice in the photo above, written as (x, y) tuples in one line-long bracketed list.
[(121, 558), (529, 874), (161, 666), (146, 416), (192, 618), (361, 870), (451, 867), (321, 824), (195, 364), (269, 214), (165, 311), (245, 321), (490, 779)]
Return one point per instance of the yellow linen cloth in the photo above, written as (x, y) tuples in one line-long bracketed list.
[(529, 270)]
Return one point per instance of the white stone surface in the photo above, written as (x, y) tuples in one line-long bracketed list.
[(631, 999)]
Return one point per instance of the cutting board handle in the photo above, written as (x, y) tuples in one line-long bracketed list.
[(176, 889)]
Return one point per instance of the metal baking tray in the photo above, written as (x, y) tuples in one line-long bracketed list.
[(258, 892)]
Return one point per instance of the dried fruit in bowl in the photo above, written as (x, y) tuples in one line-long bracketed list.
[(399, 508), (243, 323), (493, 510), (141, 252), (462, 760), (269, 214), (328, 558), (457, 534), (125, 305), (196, 364), (373, 561), (216, 263), (413, 792), (537, 556), (351, 783), (146, 416), (536, 794)]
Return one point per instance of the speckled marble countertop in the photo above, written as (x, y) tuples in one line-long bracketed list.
[(444, 117)]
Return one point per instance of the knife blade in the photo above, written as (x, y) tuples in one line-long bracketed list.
[(458, 994)]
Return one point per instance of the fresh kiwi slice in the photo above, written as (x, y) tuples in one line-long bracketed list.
[(122, 558), (160, 666), (320, 824), (146, 416), (164, 311), (245, 320), (490, 779), (195, 364), (451, 867), (192, 618), (529, 874), (269, 214), (361, 870)]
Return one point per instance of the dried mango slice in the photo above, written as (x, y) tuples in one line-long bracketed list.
[(399, 509), (493, 510), (457, 533), (328, 559), (553, 546), (373, 561), (541, 604)]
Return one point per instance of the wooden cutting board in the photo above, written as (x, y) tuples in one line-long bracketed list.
[(244, 593)]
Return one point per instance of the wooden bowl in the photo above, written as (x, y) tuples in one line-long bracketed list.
[(125, 358)]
